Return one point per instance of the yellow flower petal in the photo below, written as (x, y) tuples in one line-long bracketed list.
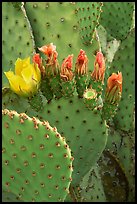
[(25, 81), (15, 82), (21, 64), (9, 74), (38, 73), (28, 74)]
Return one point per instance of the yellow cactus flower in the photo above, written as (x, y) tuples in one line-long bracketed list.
[(26, 80)]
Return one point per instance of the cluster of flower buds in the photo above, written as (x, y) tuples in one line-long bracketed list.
[(26, 80)]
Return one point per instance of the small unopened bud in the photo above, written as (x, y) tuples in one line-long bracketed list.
[(66, 69), (81, 63), (99, 68)]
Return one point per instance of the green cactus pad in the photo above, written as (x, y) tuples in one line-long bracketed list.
[(17, 5), (92, 188), (126, 155), (12, 101), (102, 34), (80, 128), (59, 27), (88, 18), (113, 178), (112, 47), (117, 18), (124, 61), (9, 197), (122, 145), (16, 39), (37, 162)]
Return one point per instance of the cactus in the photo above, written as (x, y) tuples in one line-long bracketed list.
[(61, 28), (9, 197), (92, 188), (36, 159), (81, 58), (124, 58), (117, 18), (121, 145), (18, 35), (113, 178), (88, 18), (68, 122)]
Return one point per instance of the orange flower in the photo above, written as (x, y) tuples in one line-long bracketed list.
[(99, 68), (66, 68), (52, 66), (81, 64), (50, 51), (114, 88), (115, 80)]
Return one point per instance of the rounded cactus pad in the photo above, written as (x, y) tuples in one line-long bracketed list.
[(124, 60), (60, 27), (36, 160), (117, 18), (16, 38), (113, 178), (88, 18), (9, 197), (80, 128), (92, 187)]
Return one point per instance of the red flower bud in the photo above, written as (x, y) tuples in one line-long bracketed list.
[(66, 68), (81, 63), (99, 68), (36, 59)]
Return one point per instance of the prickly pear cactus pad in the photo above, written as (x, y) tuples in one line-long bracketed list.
[(88, 19), (60, 26), (113, 178), (117, 18), (15, 36), (75, 123), (37, 162), (9, 197), (125, 60)]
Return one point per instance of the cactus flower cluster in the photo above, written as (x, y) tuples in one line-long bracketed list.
[(62, 79)]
